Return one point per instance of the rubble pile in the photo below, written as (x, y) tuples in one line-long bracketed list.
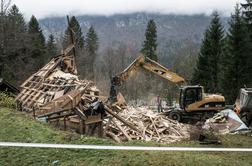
[(56, 95), (224, 122), (150, 126)]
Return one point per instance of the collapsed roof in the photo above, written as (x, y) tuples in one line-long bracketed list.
[(56, 92)]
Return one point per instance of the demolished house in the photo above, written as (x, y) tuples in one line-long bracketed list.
[(56, 95)]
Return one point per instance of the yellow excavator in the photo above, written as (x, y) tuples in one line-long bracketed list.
[(193, 102)]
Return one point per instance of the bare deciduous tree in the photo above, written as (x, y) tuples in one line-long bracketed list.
[(5, 4)]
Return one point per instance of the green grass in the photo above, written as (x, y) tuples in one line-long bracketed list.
[(19, 127)]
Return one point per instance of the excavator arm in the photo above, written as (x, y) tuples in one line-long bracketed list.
[(147, 64)]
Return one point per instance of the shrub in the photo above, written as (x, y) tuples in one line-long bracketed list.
[(7, 101)]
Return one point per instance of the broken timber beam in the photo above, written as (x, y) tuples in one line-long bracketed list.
[(111, 112), (122, 130)]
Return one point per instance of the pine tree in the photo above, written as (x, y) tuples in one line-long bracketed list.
[(236, 64), (150, 43), (51, 47), (201, 73), (37, 43), (91, 49), (207, 68), (13, 43), (4, 5), (77, 34), (78, 38), (16, 19), (247, 15), (15, 36)]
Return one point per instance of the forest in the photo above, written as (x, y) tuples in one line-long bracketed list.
[(221, 62)]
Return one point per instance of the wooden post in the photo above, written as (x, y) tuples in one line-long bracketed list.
[(64, 123), (33, 110), (82, 126), (85, 129), (100, 129)]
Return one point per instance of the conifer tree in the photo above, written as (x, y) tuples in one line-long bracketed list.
[(91, 50), (150, 42), (201, 73), (78, 39), (247, 15), (77, 34), (51, 46), (15, 32), (36, 43), (16, 19), (207, 69), (236, 65), (13, 43)]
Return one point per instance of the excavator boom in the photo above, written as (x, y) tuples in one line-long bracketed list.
[(147, 64)]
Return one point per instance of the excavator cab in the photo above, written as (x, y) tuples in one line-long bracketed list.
[(197, 105), (194, 99), (190, 95)]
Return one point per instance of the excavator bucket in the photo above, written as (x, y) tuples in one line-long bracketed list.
[(121, 100)]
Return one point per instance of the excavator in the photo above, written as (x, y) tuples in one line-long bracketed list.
[(193, 102)]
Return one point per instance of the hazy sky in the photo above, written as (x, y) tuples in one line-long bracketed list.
[(44, 8)]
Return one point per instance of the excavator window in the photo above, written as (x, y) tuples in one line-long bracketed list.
[(192, 95)]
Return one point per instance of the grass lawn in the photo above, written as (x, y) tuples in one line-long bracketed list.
[(18, 127)]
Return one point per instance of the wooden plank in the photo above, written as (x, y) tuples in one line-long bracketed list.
[(100, 129), (43, 113), (113, 136), (102, 97), (59, 86), (38, 95), (111, 112), (25, 100), (80, 113), (108, 123), (93, 119), (122, 130), (61, 116)]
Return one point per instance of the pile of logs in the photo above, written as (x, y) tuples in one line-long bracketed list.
[(144, 124)]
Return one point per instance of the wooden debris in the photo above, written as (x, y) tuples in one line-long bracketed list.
[(150, 126), (55, 93)]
